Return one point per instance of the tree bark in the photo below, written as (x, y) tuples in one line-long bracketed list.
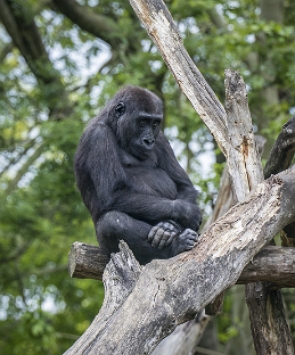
[(282, 152), (184, 338), (246, 172), (272, 264), (268, 301), (169, 292)]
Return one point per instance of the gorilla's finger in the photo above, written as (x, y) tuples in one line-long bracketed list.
[(170, 239), (157, 238), (171, 227), (190, 244), (152, 233), (167, 226), (165, 237), (194, 236), (161, 225)]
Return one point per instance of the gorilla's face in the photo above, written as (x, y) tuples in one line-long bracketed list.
[(139, 116), (146, 129)]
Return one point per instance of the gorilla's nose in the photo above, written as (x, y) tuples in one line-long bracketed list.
[(149, 142)]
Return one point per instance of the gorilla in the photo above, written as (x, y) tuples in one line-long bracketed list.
[(131, 182)]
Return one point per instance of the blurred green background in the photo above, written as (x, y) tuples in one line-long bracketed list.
[(60, 61)]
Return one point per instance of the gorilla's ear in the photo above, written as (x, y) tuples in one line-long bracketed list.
[(120, 109)]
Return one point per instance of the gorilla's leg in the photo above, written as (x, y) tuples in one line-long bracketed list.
[(114, 226)]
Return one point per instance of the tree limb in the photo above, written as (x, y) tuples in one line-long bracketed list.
[(271, 264), (283, 150), (18, 20), (274, 336), (100, 26)]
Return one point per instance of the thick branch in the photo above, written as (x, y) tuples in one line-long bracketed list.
[(174, 290), (271, 264), (100, 26), (87, 261), (280, 158), (283, 150), (246, 172), (25, 35), (184, 338), (18, 20), (243, 160)]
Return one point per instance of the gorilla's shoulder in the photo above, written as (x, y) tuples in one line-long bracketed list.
[(97, 130)]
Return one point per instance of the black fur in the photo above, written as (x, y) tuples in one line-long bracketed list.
[(131, 181)]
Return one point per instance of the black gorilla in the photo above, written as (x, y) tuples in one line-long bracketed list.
[(131, 181)]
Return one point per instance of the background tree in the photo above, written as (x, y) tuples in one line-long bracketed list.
[(59, 62)]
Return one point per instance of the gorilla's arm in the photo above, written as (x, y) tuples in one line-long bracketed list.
[(168, 162), (155, 209), (97, 168), (186, 191)]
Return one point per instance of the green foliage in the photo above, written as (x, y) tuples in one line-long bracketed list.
[(42, 310)]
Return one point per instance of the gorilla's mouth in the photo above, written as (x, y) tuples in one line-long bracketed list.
[(141, 152)]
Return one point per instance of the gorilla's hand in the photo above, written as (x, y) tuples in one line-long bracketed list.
[(162, 234), (184, 241)]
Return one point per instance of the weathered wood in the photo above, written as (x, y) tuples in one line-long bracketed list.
[(272, 264), (178, 288), (280, 158), (243, 160), (87, 261), (223, 203), (184, 338), (283, 150), (268, 301), (275, 265), (224, 199), (245, 170)]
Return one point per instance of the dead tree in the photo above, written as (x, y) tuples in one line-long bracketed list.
[(144, 304)]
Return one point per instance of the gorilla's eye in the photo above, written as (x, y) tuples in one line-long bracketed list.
[(155, 124), (120, 109)]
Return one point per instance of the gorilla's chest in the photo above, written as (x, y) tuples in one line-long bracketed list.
[(151, 181)]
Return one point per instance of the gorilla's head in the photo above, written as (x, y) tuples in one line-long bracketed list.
[(135, 115)]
